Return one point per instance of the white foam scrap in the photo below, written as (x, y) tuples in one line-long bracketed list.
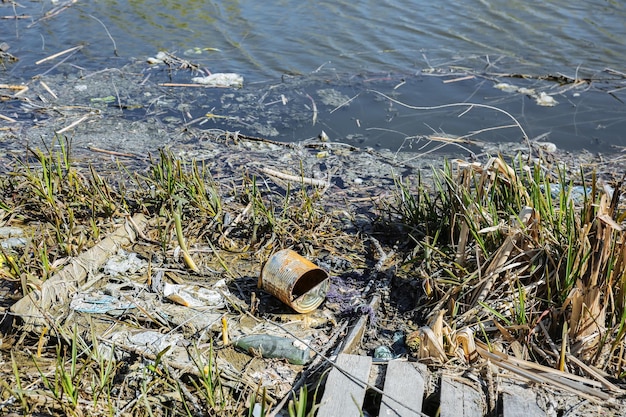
[(546, 100), (506, 87), (220, 79)]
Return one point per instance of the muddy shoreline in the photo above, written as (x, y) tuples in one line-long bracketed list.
[(124, 124)]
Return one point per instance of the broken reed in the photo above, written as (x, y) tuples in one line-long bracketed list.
[(504, 248)]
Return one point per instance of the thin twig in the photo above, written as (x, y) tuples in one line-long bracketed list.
[(58, 54), (71, 125), (7, 118), (453, 80), (192, 85), (61, 61), (45, 86), (293, 178), (345, 103), (314, 106), (108, 33), (53, 12), (114, 153), (470, 105)]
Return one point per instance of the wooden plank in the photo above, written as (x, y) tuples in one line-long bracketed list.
[(403, 383), (518, 401), (343, 396), (354, 337), (460, 399)]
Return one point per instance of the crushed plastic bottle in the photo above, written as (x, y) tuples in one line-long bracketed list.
[(269, 346)]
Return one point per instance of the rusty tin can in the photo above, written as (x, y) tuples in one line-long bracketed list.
[(294, 280)]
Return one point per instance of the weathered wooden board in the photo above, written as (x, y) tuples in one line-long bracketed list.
[(518, 401), (353, 340), (460, 399), (403, 390), (343, 395)]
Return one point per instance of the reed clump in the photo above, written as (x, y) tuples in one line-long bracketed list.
[(528, 259)]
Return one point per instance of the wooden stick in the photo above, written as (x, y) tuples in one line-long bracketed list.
[(7, 118), (288, 177), (191, 85), (58, 54), (13, 86), (113, 153), (593, 372), (314, 119), (44, 85), (71, 125), (453, 80), (22, 16), (545, 375)]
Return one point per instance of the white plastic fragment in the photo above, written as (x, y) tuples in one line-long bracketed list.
[(506, 87), (548, 147), (124, 263), (257, 410), (546, 100), (158, 59), (542, 99), (148, 341), (99, 303), (225, 79), (9, 231), (300, 345), (195, 295), (13, 242)]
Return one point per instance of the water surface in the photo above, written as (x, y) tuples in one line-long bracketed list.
[(263, 41)]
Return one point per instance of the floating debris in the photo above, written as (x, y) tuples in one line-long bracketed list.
[(542, 99), (333, 98), (545, 100), (506, 87), (160, 58), (225, 79)]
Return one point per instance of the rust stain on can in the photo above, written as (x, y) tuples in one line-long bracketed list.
[(294, 280)]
